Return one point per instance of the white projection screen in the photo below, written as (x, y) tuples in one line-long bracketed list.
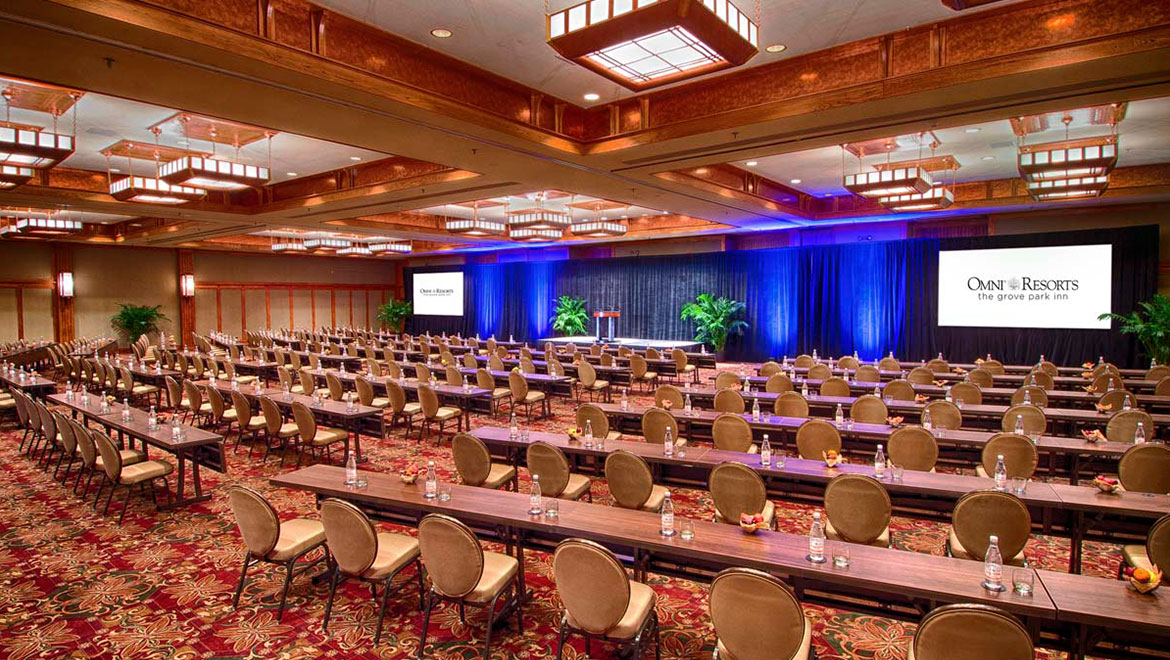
[(438, 294), (1036, 287)]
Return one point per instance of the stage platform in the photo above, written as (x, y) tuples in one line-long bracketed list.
[(585, 340)]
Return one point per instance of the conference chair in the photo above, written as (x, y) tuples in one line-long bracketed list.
[(246, 423), (868, 409), (790, 404), (68, 444), (889, 364), (1156, 551), (727, 379), (556, 480), (334, 385), (770, 368), (141, 474), (737, 489), (485, 381), (400, 409), (653, 354), (729, 401), (898, 390), (913, 448), (434, 413), (88, 455), (137, 391), (640, 373), (275, 428), (453, 376), (1107, 367), (360, 552), (655, 422), (980, 514), (1035, 394), (270, 541), (606, 360), (981, 377), (920, 376), (175, 399), (1157, 373), (373, 367), (993, 367), (229, 370), (943, 415), (598, 422), (365, 393), (971, 631), (600, 600), (523, 396), (867, 373), (1116, 400), (196, 407), (858, 509), (422, 373), (1040, 378), (778, 383), (669, 393), (1107, 381), (631, 483), (1123, 425), (756, 615), (469, 361), (462, 572), (527, 366), (316, 439), (938, 366), (309, 385), (803, 361), (968, 393), (474, 463), (1145, 468), (590, 383), (556, 369), (815, 437), (1020, 457), (820, 372), (1035, 423), (221, 414), (848, 362), (731, 432), (835, 386)]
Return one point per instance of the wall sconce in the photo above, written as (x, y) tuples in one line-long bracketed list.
[(65, 284), (187, 285)]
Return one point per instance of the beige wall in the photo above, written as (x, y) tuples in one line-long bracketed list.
[(104, 277)]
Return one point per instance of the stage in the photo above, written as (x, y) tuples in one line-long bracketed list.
[(659, 344)]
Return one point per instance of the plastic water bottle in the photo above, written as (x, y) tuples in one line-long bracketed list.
[(1028, 396), (151, 420), (1000, 473), (1019, 428), (535, 506), (877, 391), (287, 394), (804, 388), (1125, 404), (625, 401), (879, 462), (432, 483), (816, 540), (687, 408), (351, 470), (993, 566), (927, 423), (466, 386), (766, 452), (588, 434), (839, 416), (125, 410), (755, 409), (947, 396), (1139, 434), (513, 427), (668, 443), (667, 515)]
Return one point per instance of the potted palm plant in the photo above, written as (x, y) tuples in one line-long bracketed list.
[(715, 320), (133, 321), (394, 313), (1150, 324), (570, 318)]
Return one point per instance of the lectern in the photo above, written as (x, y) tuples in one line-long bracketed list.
[(611, 315)]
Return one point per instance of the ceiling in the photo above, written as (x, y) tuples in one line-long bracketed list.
[(507, 37), (984, 151), (579, 207)]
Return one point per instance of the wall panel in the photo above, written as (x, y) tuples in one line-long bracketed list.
[(106, 276), (254, 306), (38, 315), (8, 329), (230, 308), (205, 318), (359, 308), (302, 299), (321, 304), (279, 298)]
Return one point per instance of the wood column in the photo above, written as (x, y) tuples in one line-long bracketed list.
[(185, 265), (63, 327)]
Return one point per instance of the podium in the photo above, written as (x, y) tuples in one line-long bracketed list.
[(611, 315)]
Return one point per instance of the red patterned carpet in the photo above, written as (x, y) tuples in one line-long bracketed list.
[(73, 584)]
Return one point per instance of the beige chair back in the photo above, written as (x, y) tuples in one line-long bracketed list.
[(1019, 455), (867, 373), (422, 373), (803, 361), (484, 380), (913, 448), (365, 390), (654, 424), (306, 424), (858, 506), (243, 409), (1163, 387), (469, 360), (889, 364), (938, 366), (1035, 423), (598, 420), (1158, 545), (869, 409), (943, 415), (755, 615), (835, 386), (549, 463), (898, 390), (85, 445), (848, 362), (592, 584), (820, 372), (351, 536), (981, 377), (629, 478), (1108, 381), (727, 379), (920, 376), (778, 383), (993, 367), (273, 418), (731, 432), (769, 368), (308, 384), (790, 404), (729, 401), (393, 369), (111, 457), (968, 393), (257, 520), (981, 514), (1035, 394), (473, 461), (815, 437), (668, 393), (1041, 379), (1123, 425), (428, 400), (1115, 401), (736, 489), (1146, 469), (971, 631), (218, 405)]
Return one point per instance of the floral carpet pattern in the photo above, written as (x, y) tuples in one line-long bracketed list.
[(75, 584)]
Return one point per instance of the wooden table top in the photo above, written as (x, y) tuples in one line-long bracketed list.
[(30, 382), (409, 384), (327, 407), (137, 425), (534, 378)]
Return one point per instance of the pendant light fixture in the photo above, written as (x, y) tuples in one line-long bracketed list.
[(1069, 169), (144, 189), (33, 146), (213, 173)]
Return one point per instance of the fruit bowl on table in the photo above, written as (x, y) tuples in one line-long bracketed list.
[(895, 422), (1094, 435), (752, 522), (575, 434), (1142, 580), (1107, 485), (832, 458), (921, 398), (408, 476)]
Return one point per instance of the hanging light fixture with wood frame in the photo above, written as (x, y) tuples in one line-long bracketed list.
[(33, 146), (212, 172)]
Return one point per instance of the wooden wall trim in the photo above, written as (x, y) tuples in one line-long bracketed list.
[(185, 265), (20, 313), (63, 317)]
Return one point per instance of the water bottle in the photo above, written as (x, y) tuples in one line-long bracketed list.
[(855, 357), (535, 507), (1101, 360), (235, 384), (755, 409), (513, 427), (125, 410), (1139, 434), (668, 443), (993, 566), (927, 423), (342, 367), (804, 389), (877, 391), (351, 470), (839, 416), (176, 429), (1019, 428), (879, 462), (68, 390), (1125, 404), (466, 386), (687, 408), (816, 540), (1028, 396), (152, 420), (287, 394), (1000, 473), (766, 452), (431, 487), (625, 401), (667, 515)]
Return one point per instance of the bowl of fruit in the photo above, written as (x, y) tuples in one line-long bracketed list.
[(409, 475), (1094, 435), (667, 404), (752, 522), (895, 421), (1143, 580), (575, 433), (1108, 485), (832, 457)]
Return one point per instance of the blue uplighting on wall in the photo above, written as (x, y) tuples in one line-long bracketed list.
[(539, 291), (486, 287)]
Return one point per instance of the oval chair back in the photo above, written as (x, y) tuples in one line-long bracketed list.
[(731, 432), (592, 584), (1145, 468), (654, 424), (473, 461), (757, 617), (815, 437), (257, 520), (858, 507), (790, 404), (971, 631), (598, 420), (452, 555), (913, 448), (629, 478), (549, 462), (668, 393), (869, 409), (736, 489), (981, 514)]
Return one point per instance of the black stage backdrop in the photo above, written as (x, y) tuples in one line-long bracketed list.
[(870, 297)]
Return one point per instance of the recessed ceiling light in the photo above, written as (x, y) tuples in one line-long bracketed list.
[(794, 181), (441, 33), (988, 158), (972, 130), (291, 173), (751, 163), (604, 218), (355, 157), (114, 169), (776, 48), (592, 97)]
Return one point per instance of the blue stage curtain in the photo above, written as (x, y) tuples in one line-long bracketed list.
[(872, 298)]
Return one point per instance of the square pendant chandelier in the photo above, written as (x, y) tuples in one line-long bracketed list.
[(476, 227), (539, 218), (1070, 159), (12, 176), (383, 248), (213, 174), (935, 199), (152, 191), (290, 246), (328, 244), (29, 146), (642, 44), (598, 229), (1075, 188), (884, 183), (535, 235), (359, 250)]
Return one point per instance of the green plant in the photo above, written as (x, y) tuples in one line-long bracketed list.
[(395, 312), (1151, 325), (133, 321), (715, 319), (570, 317)]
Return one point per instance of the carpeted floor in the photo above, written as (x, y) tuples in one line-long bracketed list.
[(73, 584)]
